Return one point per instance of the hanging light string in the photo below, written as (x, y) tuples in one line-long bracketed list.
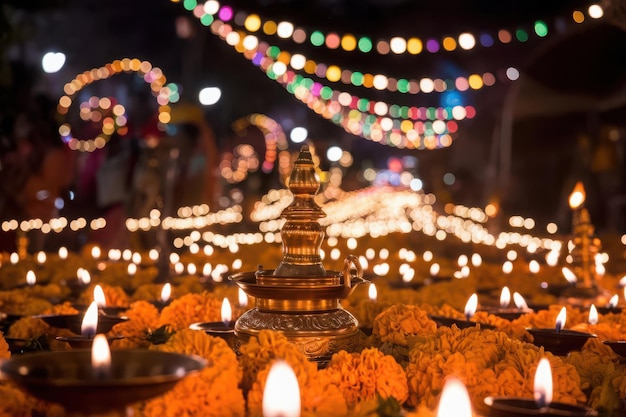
[(151, 75), (325, 101), (396, 45)]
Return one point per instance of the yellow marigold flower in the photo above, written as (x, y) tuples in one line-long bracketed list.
[(400, 321), (366, 375), (191, 308), (214, 391), (5, 353), (143, 317)]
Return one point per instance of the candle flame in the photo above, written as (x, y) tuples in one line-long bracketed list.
[(100, 356), (560, 319), (83, 276), (96, 252), (281, 395), (534, 267), (41, 257), (593, 315), (63, 252), (31, 279), (519, 301), (372, 292), (90, 320), (505, 297), (507, 267), (477, 260), (613, 301), (242, 297), (227, 311), (543, 383), (454, 400), (166, 291), (98, 296), (569, 275), (131, 269), (578, 196), (622, 282), (471, 305), (434, 269)]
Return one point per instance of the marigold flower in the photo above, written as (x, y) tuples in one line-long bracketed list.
[(5, 353), (191, 308), (115, 296), (143, 317), (400, 321), (366, 375)]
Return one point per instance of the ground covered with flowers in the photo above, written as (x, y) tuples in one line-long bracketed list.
[(399, 369)]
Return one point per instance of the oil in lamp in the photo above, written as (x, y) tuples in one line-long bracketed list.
[(300, 298), (542, 404), (557, 340)]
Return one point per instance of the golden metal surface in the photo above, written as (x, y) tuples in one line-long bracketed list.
[(300, 298)]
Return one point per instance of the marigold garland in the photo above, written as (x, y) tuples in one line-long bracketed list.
[(191, 308)]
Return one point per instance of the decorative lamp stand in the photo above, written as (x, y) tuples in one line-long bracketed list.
[(300, 298)]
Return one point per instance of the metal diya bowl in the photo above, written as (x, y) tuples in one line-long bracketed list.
[(74, 321), (68, 378), (108, 310), (561, 342), (83, 342), (618, 346), (461, 324)]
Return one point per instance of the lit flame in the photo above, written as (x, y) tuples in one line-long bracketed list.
[(560, 320), (569, 275), (281, 395), (96, 252), (90, 321), (613, 301), (63, 252), (227, 311), (507, 267), (505, 297), (242, 297), (98, 296), (471, 305), (41, 257), (31, 279), (166, 291), (434, 269), (83, 276), (543, 383), (593, 315), (100, 356), (131, 269), (454, 400), (519, 301), (477, 260), (372, 293), (534, 267), (622, 282), (578, 196)]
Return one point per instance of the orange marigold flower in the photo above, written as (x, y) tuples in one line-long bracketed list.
[(115, 296), (191, 308), (5, 353), (13, 401), (366, 375), (143, 317), (214, 391), (400, 321)]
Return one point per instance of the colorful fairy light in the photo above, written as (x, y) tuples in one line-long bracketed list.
[(151, 75)]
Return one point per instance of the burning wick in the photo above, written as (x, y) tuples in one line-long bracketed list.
[(90, 321), (227, 312), (31, 279), (560, 320), (593, 314), (519, 301), (470, 306), (101, 357), (613, 301), (166, 292), (243, 298), (98, 296), (505, 297), (569, 275), (372, 292), (543, 383), (454, 401), (281, 396)]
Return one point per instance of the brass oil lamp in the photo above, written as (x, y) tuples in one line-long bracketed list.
[(300, 298)]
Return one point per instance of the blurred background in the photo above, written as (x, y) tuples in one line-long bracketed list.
[(110, 109)]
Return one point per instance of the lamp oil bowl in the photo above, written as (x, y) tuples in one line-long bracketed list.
[(300, 298), (69, 378)]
